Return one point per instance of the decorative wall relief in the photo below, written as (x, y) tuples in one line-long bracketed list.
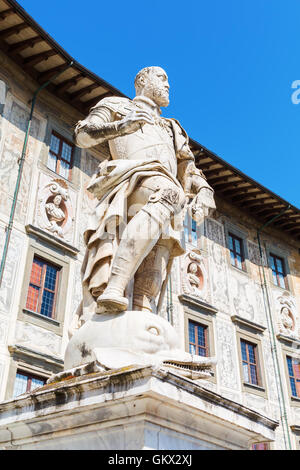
[(55, 212), (256, 403), (3, 329), (219, 277), (270, 371), (7, 290), (194, 277), (215, 231), (37, 339), (243, 296), (90, 164), (227, 360), (88, 202), (218, 265), (260, 313), (17, 118), (254, 254), (286, 315)]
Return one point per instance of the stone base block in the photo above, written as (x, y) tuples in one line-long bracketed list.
[(128, 409)]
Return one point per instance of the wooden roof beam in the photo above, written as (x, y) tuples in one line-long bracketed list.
[(203, 160), (268, 212), (222, 179), (6, 33), (208, 165), (285, 221), (5, 13), (66, 84), (44, 76), (37, 58), (257, 201), (21, 45), (83, 91), (222, 187), (197, 153), (294, 230), (265, 206), (94, 101), (247, 195), (218, 179), (288, 227), (219, 171)]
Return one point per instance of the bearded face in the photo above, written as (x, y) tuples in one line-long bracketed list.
[(156, 86)]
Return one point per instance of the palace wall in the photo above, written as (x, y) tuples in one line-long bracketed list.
[(228, 301)]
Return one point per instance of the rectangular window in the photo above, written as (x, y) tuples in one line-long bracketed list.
[(190, 230), (260, 446), (236, 251), (25, 383), (294, 375), (43, 286), (198, 339), (278, 271), (250, 363), (60, 157)]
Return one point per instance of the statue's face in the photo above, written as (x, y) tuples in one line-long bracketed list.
[(57, 200), (156, 86), (193, 268)]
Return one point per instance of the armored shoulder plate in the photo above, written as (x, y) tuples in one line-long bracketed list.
[(116, 104)]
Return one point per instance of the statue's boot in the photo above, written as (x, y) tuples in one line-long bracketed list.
[(138, 239)]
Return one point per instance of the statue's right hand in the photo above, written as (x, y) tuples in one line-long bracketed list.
[(134, 121)]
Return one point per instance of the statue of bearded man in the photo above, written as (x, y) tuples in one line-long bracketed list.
[(142, 192)]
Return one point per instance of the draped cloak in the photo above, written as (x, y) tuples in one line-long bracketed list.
[(112, 185)]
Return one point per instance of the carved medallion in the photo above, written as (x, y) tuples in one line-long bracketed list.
[(54, 209)]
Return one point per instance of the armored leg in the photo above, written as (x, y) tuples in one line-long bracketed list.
[(150, 275), (138, 239)]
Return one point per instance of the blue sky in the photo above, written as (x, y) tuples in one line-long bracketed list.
[(231, 65)]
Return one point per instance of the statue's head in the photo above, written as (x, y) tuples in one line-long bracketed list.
[(152, 82), (193, 268), (57, 200)]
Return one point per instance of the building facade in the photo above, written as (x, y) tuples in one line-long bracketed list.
[(234, 294)]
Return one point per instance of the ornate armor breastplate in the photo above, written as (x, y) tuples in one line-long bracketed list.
[(151, 141)]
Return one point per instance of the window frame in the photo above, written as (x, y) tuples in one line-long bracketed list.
[(188, 230), (29, 376), (31, 362), (206, 337), (294, 352), (43, 250), (266, 446), (249, 363), (55, 127), (243, 333), (297, 397), (284, 255), (236, 232), (204, 317), (284, 273), (235, 252), (59, 157), (42, 287)]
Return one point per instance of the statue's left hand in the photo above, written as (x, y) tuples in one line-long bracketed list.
[(203, 204)]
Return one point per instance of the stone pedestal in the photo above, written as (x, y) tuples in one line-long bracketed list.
[(130, 408)]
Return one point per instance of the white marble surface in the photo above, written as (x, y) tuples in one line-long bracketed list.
[(140, 408)]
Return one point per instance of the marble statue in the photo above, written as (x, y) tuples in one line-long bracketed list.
[(192, 275), (143, 192), (55, 214), (54, 209), (287, 322)]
